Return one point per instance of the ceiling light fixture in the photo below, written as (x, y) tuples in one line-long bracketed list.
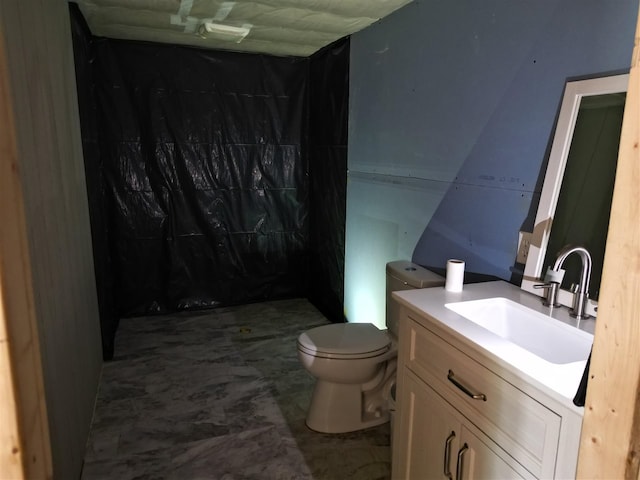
[(224, 32)]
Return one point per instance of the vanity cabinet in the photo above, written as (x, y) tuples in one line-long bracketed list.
[(442, 444), (458, 419)]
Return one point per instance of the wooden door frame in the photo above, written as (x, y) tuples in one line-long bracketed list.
[(610, 441)]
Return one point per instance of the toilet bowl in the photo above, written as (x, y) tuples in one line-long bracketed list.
[(351, 362), (355, 363)]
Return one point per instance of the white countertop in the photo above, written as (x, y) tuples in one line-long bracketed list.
[(560, 381)]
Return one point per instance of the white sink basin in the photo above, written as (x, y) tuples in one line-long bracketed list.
[(533, 331)]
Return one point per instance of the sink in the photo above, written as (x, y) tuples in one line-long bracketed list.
[(533, 331)]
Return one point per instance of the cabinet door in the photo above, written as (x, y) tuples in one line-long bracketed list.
[(479, 458), (430, 435), (439, 443)]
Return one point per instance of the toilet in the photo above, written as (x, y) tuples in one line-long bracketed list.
[(355, 363)]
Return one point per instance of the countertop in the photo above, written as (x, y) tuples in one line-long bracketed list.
[(559, 381)]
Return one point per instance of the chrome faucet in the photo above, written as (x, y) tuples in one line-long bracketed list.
[(581, 292)]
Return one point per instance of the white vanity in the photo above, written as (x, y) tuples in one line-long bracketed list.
[(482, 396)]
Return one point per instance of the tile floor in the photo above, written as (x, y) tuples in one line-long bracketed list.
[(220, 395)]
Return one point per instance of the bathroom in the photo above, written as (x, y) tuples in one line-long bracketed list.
[(451, 111)]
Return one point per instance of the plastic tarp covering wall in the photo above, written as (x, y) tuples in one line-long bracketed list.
[(94, 175), (206, 183), (204, 168), (213, 178), (329, 106)]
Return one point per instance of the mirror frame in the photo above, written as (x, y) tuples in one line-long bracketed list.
[(573, 94)]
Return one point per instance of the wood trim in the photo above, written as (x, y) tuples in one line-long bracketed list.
[(611, 429), (24, 432)]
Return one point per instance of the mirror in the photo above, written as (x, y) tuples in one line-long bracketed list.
[(576, 195)]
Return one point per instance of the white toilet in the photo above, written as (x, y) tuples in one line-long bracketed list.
[(355, 363)]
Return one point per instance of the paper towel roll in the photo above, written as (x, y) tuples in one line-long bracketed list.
[(455, 275)]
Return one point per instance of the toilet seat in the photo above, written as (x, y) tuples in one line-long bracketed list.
[(345, 341)]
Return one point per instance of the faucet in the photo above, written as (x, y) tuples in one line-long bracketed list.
[(581, 292)]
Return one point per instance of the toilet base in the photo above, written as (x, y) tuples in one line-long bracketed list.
[(337, 408)]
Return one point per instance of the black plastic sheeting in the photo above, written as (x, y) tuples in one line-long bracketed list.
[(200, 187), (96, 185), (328, 133)]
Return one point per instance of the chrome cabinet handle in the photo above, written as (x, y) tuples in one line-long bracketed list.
[(461, 453), (475, 396), (447, 455)]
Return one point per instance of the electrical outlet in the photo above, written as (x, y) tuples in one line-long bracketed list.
[(524, 243)]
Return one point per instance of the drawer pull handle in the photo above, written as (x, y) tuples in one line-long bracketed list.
[(475, 396), (447, 455), (461, 453)]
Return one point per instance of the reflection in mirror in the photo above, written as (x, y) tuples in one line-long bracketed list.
[(584, 203), (576, 196)]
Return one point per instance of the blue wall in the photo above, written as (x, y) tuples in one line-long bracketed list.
[(452, 110)]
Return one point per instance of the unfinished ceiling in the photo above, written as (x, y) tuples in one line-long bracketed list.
[(276, 27)]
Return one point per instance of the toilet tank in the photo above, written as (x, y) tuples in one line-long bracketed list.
[(405, 275)]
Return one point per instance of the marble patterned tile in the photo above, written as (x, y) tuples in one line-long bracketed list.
[(220, 394)]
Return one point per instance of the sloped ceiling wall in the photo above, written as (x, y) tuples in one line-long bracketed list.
[(276, 27)]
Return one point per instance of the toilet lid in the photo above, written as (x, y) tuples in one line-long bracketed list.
[(345, 339)]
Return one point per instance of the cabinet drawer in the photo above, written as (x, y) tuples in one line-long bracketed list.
[(526, 429)]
